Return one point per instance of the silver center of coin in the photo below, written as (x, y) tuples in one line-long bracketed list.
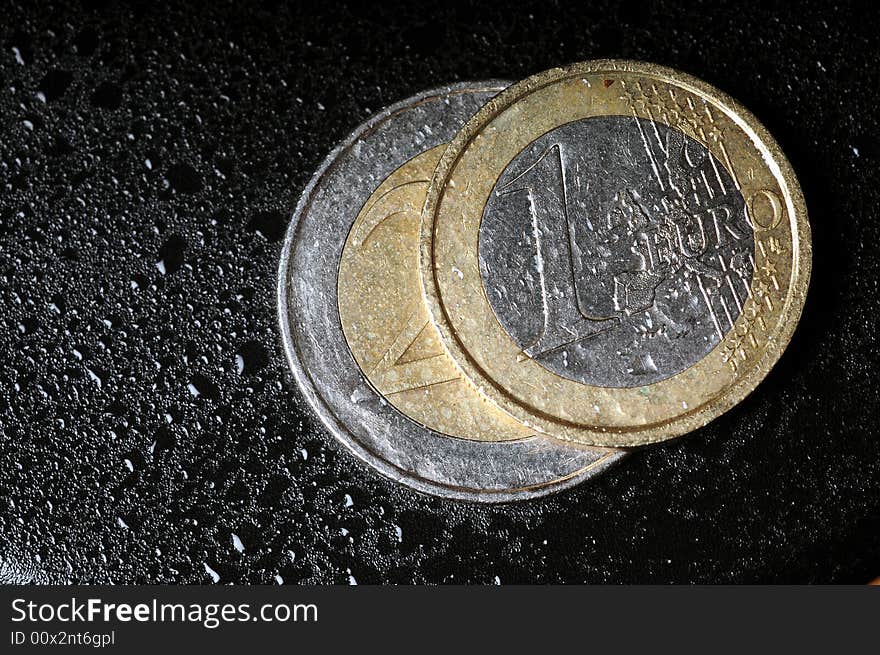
[(616, 251)]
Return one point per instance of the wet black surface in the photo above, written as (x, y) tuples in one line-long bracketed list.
[(149, 431)]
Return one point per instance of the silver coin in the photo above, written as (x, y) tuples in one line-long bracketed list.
[(317, 351), (616, 251)]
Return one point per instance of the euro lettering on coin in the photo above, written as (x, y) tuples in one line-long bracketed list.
[(614, 253), (358, 336)]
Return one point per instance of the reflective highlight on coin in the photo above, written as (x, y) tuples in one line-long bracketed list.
[(614, 253), (319, 354)]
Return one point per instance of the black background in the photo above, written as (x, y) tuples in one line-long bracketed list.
[(146, 413)]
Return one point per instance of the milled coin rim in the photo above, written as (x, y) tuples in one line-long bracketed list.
[(471, 454), (692, 418)]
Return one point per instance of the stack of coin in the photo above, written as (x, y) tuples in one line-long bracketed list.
[(490, 292)]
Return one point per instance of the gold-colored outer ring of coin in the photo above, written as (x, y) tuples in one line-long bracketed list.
[(746, 348), (386, 323)]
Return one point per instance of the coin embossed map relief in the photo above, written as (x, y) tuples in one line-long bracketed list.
[(358, 335), (614, 253)]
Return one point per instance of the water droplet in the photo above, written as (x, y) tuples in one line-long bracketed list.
[(214, 575)]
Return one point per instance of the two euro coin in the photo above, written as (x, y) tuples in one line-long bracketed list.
[(357, 333)]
